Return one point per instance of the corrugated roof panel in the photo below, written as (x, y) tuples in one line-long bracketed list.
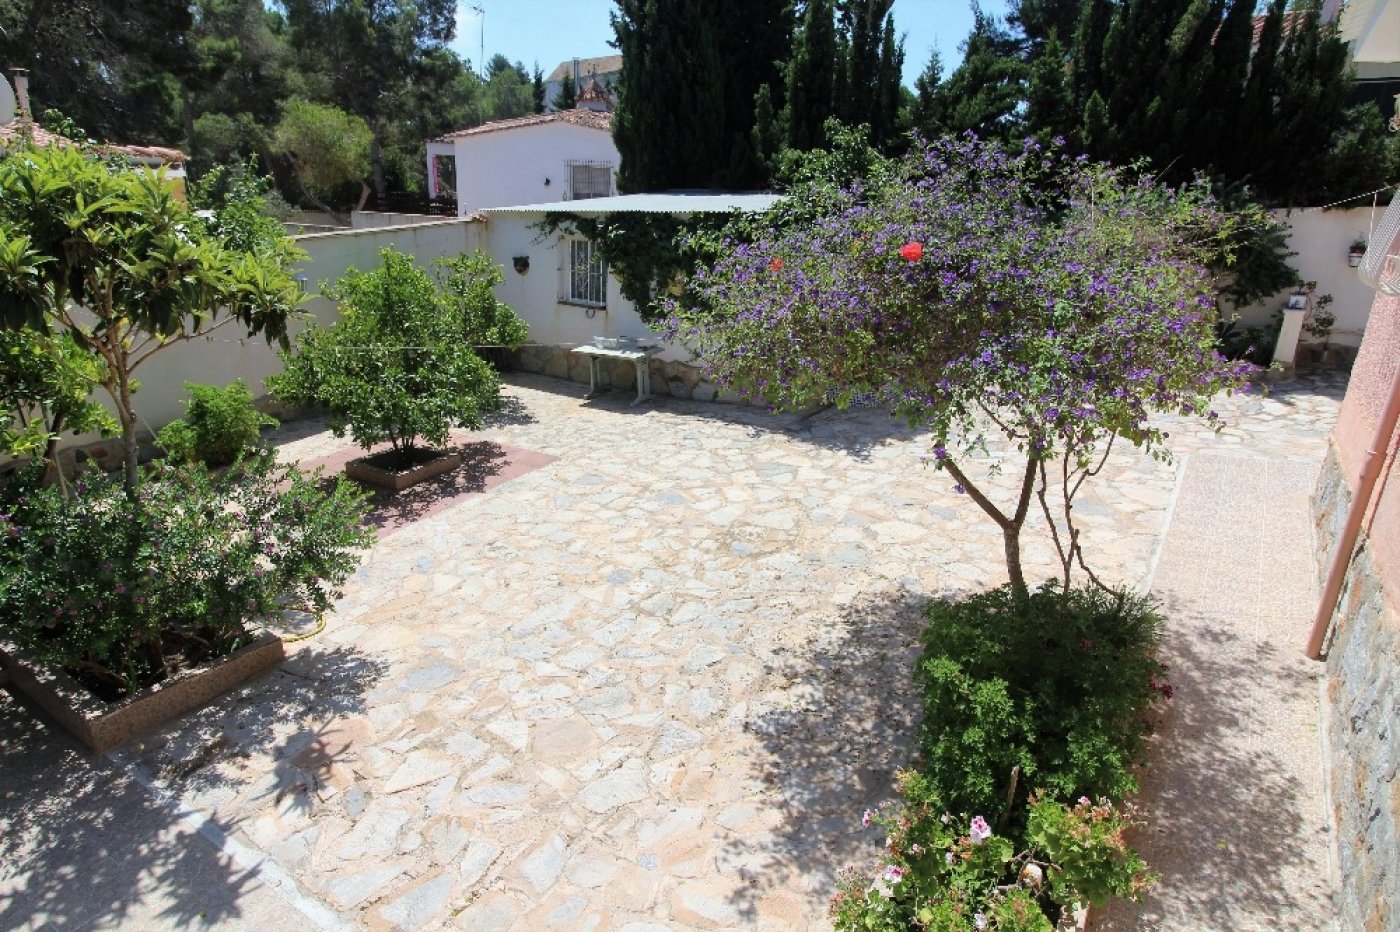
[(649, 203)]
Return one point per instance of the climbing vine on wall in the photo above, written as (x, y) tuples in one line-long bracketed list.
[(646, 251)]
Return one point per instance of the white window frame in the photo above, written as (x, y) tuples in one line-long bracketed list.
[(583, 275), (574, 192)]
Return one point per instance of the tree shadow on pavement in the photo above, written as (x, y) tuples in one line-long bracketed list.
[(857, 432), (83, 842), (834, 749), (1227, 821)]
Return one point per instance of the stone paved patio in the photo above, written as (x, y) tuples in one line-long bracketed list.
[(651, 683)]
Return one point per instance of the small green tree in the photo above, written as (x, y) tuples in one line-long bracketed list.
[(219, 426), (106, 255), (46, 385), (396, 367), (328, 149)]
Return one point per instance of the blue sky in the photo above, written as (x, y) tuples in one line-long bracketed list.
[(551, 31)]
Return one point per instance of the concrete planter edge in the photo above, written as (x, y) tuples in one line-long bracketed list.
[(101, 726)]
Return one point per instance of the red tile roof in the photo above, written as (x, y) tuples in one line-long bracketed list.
[(16, 129), (1292, 19), (589, 119)]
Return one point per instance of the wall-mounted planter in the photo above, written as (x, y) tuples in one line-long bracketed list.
[(104, 725), (385, 471)]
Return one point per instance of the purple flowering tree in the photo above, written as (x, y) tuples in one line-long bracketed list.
[(979, 291)]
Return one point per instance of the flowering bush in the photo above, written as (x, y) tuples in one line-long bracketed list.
[(123, 590), (1049, 692), (974, 289), (953, 874)]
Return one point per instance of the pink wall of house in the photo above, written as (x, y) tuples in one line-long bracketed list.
[(1367, 392)]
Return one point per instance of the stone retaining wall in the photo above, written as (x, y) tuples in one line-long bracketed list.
[(1360, 718), (677, 379)]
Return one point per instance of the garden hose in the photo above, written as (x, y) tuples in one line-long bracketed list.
[(320, 626)]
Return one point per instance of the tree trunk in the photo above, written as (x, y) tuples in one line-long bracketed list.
[(376, 160), (131, 450), (1011, 541), (187, 117)]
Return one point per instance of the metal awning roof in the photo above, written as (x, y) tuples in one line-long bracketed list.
[(649, 203)]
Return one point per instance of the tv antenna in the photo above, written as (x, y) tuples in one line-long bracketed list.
[(480, 10)]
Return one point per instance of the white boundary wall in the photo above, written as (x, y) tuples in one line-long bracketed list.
[(224, 356), (1321, 238)]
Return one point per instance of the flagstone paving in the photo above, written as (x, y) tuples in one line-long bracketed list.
[(650, 683)]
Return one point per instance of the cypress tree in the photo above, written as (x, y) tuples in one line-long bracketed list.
[(1255, 156), (1038, 20), (567, 98), (768, 132), (537, 89), (811, 76), (1221, 121), (870, 58), (1088, 49), (691, 70), (888, 129)]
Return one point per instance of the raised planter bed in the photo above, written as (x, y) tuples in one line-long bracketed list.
[(105, 725), (388, 470)]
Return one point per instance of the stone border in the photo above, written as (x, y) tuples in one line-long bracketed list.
[(103, 725), (362, 470)]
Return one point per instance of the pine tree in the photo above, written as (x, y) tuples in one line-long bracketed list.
[(926, 114), (1050, 109), (810, 76), (984, 93), (567, 98)]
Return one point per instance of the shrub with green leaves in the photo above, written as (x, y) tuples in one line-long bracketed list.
[(220, 425), (1048, 693), (396, 366), (948, 872), (469, 287), (123, 590)]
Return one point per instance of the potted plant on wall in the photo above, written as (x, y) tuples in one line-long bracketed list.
[(394, 370), (1356, 251)]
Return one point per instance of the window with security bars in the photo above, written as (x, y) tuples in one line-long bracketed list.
[(587, 275), (589, 179)]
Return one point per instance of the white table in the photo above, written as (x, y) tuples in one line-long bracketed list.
[(639, 355)]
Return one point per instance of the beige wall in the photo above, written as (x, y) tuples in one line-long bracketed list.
[(1320, 238)]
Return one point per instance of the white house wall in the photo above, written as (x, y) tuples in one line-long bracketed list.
[(511, 166), (535, 295)]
